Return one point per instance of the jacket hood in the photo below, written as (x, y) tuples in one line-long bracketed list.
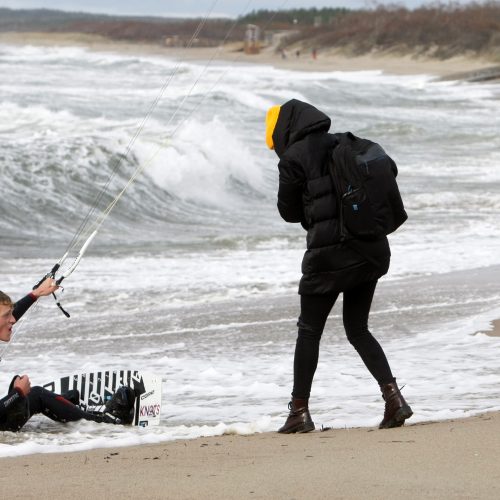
[(296, 120)]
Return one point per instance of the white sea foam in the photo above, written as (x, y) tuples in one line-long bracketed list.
[(199, 163), (250, 397)]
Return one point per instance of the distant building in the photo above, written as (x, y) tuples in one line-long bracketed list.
[(172, 41), (252, 39)]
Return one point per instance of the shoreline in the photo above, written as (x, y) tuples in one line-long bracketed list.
[(447, 459), (460, 68), (494, 331)]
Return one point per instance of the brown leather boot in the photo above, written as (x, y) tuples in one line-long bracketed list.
[(397, 409), (299, 418)]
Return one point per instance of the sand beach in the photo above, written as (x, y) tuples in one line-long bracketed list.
[(442, 460), (327, 60)]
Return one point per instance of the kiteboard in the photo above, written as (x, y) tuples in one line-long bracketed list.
[(96, 388)]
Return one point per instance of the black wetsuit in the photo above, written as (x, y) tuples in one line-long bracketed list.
[(22, 305), (16, 409)]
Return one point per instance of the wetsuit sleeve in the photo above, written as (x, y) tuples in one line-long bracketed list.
[(22, 305), (291, 186), (10, 400), (14, 409)]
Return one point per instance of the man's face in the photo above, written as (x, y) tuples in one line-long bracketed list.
[(7, 320)]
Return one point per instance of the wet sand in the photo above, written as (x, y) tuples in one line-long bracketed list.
[(442, 460), (495, 329)]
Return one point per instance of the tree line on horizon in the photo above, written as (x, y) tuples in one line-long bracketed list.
[(436, 30)]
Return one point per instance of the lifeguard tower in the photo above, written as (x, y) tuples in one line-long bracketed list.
[(252, 37)]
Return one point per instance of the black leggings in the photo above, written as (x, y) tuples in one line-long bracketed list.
[(314, 311)]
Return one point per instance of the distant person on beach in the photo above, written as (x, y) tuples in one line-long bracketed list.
[(298, 133), (23, 401)]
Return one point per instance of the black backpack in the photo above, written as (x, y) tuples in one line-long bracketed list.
[(364, 176)]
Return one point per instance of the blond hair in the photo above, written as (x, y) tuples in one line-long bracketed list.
[(5, 300)]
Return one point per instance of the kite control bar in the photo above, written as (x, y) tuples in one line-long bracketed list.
[(67, 272)]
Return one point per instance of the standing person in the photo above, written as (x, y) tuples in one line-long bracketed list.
[(23, 401), (298, 133)]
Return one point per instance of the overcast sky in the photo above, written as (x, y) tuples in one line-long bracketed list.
[(196, 7)]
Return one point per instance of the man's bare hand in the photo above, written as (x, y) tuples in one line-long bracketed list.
[(23, 385), (47, 287)]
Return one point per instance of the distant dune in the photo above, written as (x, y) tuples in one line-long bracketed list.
[(439, 31)]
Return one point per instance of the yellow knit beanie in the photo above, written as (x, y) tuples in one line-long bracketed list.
[(271, 120)]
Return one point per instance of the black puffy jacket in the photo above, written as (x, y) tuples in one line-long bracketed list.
[(306, 195)]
